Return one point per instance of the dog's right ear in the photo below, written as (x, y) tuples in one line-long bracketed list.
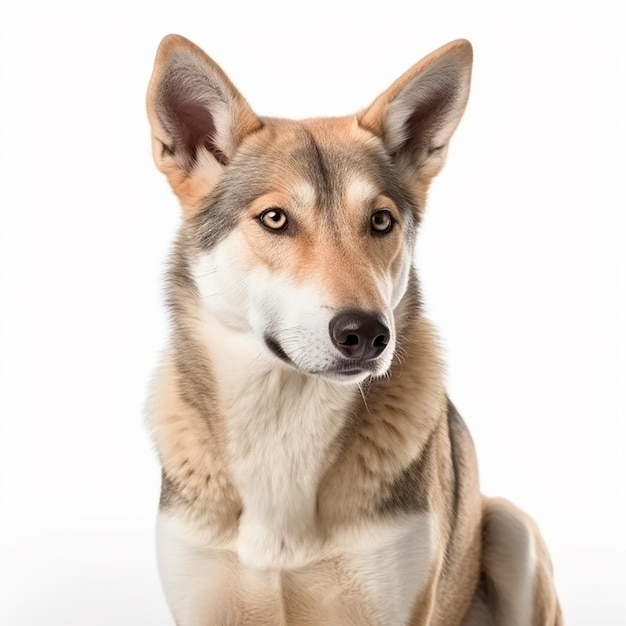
[(197, 118), (418, 114)]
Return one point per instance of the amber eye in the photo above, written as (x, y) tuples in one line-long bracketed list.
[(382, 222), (274, 219)]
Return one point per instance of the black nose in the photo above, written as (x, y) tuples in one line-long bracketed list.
[(358, 335)]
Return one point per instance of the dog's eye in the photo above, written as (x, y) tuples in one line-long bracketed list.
[(273, 219), (382, 222)]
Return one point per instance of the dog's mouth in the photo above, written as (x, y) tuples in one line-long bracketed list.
[(276, 349), (343, 369)]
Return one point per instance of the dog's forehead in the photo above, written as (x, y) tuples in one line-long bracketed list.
[(333, 156)]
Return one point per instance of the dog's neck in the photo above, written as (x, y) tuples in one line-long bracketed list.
[(281, 429)]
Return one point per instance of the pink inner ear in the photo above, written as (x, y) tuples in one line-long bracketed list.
[(423, 116), (424, 123), (188, 121)]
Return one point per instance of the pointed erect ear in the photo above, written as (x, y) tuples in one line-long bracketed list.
[(418, 114), (197, 117)]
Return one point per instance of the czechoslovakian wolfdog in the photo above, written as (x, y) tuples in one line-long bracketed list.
[(314, 470)]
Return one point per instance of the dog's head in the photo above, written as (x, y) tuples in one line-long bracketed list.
[(301, 234)]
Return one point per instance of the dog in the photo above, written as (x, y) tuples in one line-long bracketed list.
[(314, 471)]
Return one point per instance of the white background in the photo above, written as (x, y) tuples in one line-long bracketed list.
[(519, 257)]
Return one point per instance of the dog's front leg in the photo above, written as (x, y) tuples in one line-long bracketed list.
[(198, 581), (425, 605)]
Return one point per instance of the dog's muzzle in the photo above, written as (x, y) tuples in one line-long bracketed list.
[(358, 338)]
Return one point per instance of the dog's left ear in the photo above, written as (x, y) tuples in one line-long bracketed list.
[(197, 117), (418, 114)]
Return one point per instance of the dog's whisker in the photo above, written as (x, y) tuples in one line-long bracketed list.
[(360, 386)]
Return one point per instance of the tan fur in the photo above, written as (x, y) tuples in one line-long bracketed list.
[(190, 455), (392, 456), (389, 436)]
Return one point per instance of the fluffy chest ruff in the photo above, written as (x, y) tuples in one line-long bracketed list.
[(286, 487)]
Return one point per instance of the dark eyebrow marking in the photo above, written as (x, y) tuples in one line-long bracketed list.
[(321, 172)]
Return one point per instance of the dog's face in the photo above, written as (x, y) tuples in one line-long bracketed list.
[(318, 256), (301, 234)]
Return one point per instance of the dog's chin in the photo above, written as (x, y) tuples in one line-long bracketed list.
[(349, 376), (342, 371), (340, 375)]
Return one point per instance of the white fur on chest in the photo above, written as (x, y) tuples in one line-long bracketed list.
[(392, 561), (280, 427), (385, 566)]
